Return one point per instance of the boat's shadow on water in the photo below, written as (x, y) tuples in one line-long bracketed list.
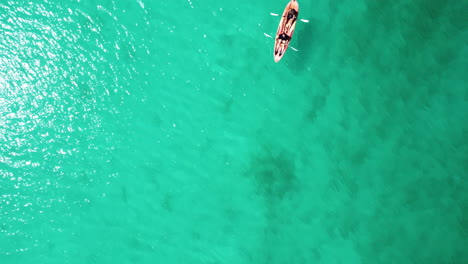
[(305, 39)]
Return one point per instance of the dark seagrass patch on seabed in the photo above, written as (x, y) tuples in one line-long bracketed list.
[(273, 172)]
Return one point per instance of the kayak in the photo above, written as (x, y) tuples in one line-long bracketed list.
[(285, 29)]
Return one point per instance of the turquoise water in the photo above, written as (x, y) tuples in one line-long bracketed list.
[(163, 132)]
